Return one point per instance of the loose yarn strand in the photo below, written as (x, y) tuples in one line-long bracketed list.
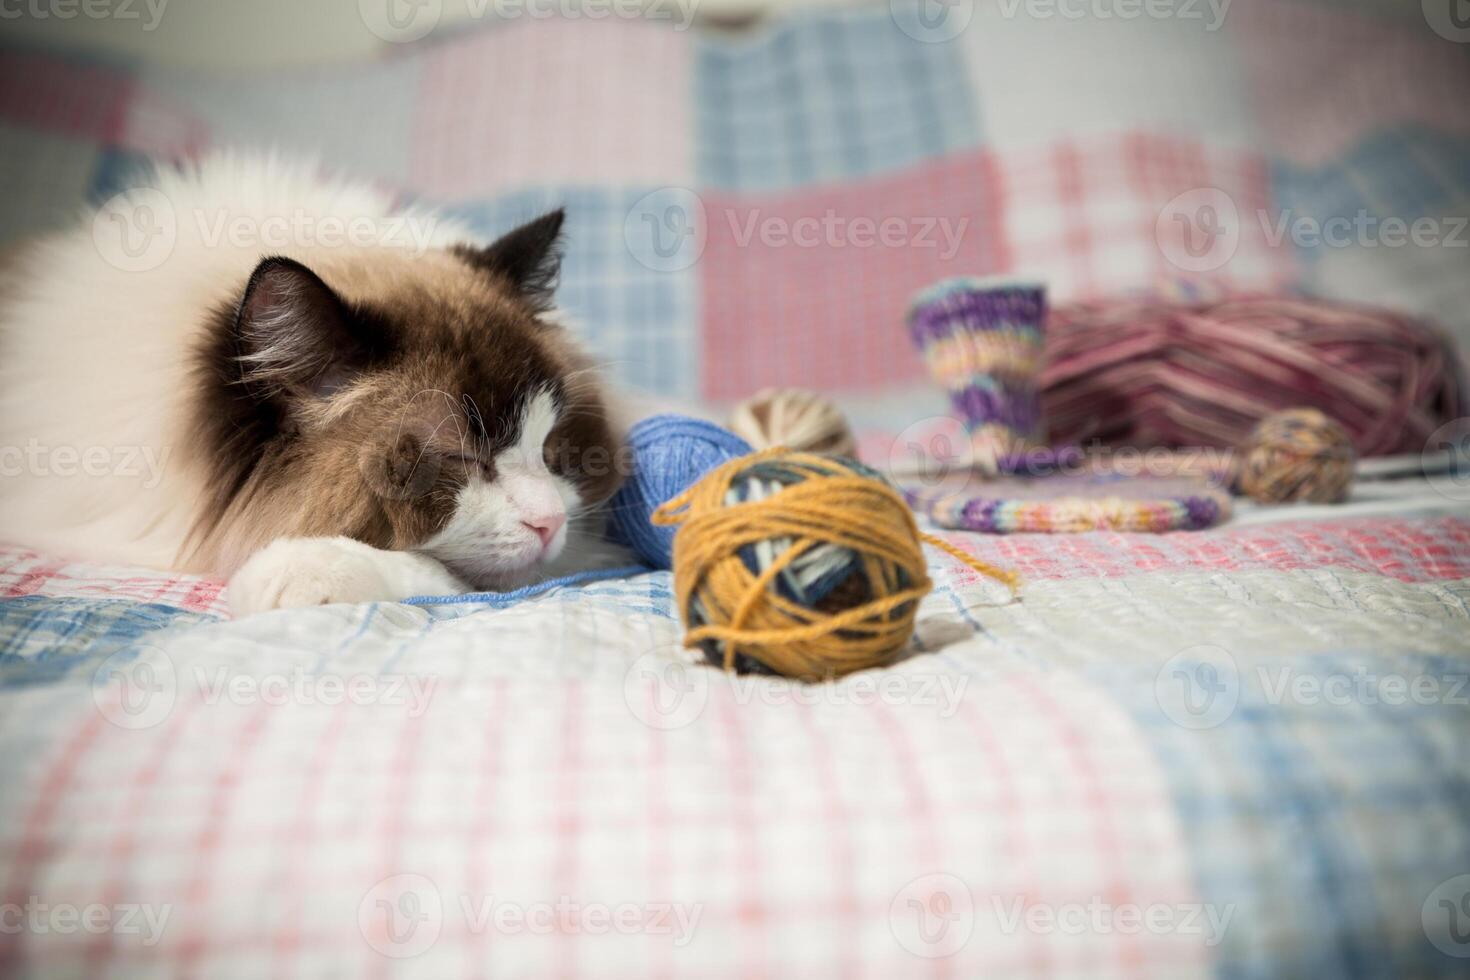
[(1009, 578)]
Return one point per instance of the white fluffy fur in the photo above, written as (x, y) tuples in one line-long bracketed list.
[(95, 357), (316, 571)]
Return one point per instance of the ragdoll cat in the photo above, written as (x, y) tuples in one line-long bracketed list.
[(250, 371)]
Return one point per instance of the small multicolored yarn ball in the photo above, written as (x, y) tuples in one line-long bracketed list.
[(982, 341), (795, 418), (799, 564), (1297, 455)]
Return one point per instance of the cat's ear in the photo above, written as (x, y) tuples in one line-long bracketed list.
[(529, 257), (295, 334)]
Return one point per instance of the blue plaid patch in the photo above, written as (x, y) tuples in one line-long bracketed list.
[(843, 96), (1406, 174), (1291, 802), (44, 640), (117, 170), (640, 322)]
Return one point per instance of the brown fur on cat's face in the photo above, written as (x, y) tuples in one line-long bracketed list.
[(369, 396)]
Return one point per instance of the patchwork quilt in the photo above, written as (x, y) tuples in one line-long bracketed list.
[(1237, 752)]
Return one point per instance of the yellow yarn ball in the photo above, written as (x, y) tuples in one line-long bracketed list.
[(802, 564), (1297, 455)]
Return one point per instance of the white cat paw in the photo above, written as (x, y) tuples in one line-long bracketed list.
[(296, 572)]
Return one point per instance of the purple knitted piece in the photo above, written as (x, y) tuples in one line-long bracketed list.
[(1203, 512), (1015, 406), (960, 324), (961, 304)]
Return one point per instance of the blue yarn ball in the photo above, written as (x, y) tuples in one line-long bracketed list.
[(670, 454)]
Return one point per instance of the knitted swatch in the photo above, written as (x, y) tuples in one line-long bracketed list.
[(1067, 504)]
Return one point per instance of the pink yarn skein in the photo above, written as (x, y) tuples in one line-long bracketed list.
[(1147, 373)]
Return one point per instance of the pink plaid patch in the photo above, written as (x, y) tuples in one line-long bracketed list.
[(508, 108), (1013, 802), (89, 102), (1404, 549), (1093, 217), (160, 128), (27, 573), (811, 288)]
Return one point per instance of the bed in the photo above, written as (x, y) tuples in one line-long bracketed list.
[(1236, 752)]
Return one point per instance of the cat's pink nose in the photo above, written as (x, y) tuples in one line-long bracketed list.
[(545, 525)]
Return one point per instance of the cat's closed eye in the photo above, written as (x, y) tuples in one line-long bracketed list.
[(473, 464)]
